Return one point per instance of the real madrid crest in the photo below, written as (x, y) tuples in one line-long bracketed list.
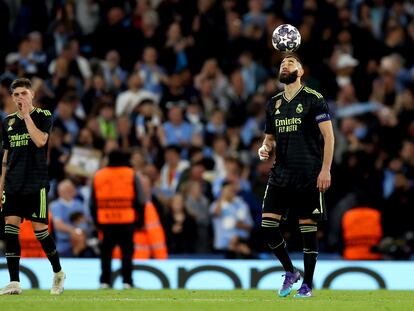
[(10, 123), (299, 108)]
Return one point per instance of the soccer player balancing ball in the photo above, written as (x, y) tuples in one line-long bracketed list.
[(286, 38)]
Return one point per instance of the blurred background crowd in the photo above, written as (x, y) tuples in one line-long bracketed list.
[(182, 86)]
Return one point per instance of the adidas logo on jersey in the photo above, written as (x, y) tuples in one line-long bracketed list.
[(277, 111), (34, 215), (316, 211)]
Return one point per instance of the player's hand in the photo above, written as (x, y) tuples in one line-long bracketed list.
[(24, 107), (263, 152), (324, 180)]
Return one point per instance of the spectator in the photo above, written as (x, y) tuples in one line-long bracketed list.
[(198, 205), (71, 236), (231, 223), (180, 227)]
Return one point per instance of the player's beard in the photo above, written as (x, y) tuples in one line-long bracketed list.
[(288, 77)]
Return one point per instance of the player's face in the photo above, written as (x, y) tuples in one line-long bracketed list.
[(22, 94), (289, 70)]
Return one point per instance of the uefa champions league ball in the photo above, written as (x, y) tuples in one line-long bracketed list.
[(286, 38)]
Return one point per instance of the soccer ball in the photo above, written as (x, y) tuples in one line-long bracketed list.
[(286, 38)]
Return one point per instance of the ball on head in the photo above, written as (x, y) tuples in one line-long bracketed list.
[(286, 38)]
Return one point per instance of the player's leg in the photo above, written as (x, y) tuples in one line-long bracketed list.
[(11, 236), (37, 212), (311, 210), (271, 217), (12, 217), (41, 232), (126, 243), (308, 229)]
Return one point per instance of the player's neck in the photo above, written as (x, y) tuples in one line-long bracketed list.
[(292, 89)]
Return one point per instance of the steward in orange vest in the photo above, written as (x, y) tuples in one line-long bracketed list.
[(361, 227), (117, 208)]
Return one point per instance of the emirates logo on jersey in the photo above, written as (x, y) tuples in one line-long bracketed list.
[(299, 108)]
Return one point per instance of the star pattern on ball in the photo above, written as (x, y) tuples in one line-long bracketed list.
[(283, 40)]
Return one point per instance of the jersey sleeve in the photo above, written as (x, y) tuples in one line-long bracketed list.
[(44, 123), (270, 124), (4, 136), (320, 110)]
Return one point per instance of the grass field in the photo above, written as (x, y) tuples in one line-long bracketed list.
[(170, 300)]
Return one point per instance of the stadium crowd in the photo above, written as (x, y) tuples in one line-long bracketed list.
[(182, 86)]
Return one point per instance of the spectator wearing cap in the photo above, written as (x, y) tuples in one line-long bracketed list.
[(129, 99), (344, 68)]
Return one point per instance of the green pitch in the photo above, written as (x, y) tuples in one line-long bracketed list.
[(238, 300)]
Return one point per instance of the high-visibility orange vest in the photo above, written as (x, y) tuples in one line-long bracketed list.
[(149, 242), (362, 230), (115, 194)]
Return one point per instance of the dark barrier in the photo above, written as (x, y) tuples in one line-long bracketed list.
[(159, 274), (333, 275), (184, 274)]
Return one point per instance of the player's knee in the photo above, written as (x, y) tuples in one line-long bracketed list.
[(41, 234), (271, 232)]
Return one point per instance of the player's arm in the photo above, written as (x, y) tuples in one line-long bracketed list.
[(38, 137), (324, 178), (3, 172), (268, 144)]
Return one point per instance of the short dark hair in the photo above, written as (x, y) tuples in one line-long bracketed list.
[(20, 82), (292, 55)]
